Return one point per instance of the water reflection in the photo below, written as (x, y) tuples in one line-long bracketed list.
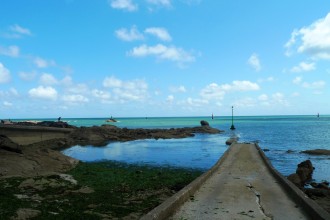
[(201, 151)]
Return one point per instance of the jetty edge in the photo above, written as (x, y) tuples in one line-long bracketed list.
[(174, 205)]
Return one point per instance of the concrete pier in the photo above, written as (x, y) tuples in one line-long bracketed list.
[(242, 185)]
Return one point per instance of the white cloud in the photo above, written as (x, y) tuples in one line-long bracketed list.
[(73, 99), (163, 52), (295, 94), (103, 95), (244, 86), (279, 98), (190, 102), (129, 35), (7, 104), (217, 92), (297, 80), (313, 39), (66, 81), (42, 92), (268, 79), (314, 85), (245, 102), (20, 30), (27, 76), (17, 31), (170, 98), (212, 91), (80, 88), (48, 79), (9, 94), (263, 97), (127, 5), (11, 51), (303, 67), (13, 92), (4, 74), (112, 82), (160, 2), (178, 89), (134, 90), (254, 62), (42, 63), (159, 32)]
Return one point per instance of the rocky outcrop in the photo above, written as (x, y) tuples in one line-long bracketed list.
[(43, 157), (9, 145), (35, 159), (320, 192), (53, 124), (316, 152), (101, 135), (303, 173), (204, 123)]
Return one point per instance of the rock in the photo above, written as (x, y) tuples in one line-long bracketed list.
[(43, 158), (295, 179), (102, 135), (323, 185), (9, 145), (56, 124), (204, 123), (317, 192), (305, 170), (303, 173), (316, 152), (289, 151), (68, 178), (84, 190), (231, 140), (26, 214), (321, 196)]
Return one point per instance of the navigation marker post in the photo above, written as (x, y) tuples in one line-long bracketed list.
[(232, 119)]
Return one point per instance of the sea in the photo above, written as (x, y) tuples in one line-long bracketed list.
[(281, 137)]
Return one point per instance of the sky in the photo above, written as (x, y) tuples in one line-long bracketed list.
[(158, 58)]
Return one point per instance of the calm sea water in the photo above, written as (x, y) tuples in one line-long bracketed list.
[(278, 134)]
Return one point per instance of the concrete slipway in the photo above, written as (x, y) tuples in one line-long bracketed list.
[(242, 185)]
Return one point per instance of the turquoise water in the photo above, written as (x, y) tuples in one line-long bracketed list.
[(278, 134)]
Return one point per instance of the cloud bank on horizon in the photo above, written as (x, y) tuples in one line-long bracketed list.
[(163, 58)]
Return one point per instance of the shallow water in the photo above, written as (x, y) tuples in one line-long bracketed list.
[(201, 151), (278, 134)]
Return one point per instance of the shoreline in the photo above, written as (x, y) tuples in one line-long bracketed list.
[(42, 158), (29, 150)]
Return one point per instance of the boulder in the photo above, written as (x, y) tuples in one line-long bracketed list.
[(9, 145), (303, 173), (204, 123)]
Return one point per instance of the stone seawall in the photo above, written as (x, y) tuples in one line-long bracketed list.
[(25, 135)]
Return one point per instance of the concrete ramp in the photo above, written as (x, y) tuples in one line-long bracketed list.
[(242, 185)]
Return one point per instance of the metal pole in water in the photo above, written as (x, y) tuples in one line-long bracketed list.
[(232, 119)]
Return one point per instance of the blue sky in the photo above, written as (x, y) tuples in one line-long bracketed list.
[(127, 58)]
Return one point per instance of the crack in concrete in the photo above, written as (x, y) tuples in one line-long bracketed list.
[(258, 200)]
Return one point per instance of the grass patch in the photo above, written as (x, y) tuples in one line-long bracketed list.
[(104, 190)]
